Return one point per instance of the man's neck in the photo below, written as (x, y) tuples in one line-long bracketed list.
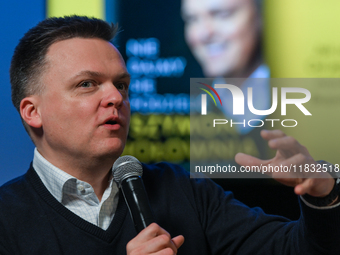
[(247, 71), (96, 172)]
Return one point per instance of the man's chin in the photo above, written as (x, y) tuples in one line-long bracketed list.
[(217, 68), (216, 72), (112, 150)]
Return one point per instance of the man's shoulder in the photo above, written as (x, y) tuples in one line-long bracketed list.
[(14, 191), (10, 187), (165, 168), (169, 170), (166, 172)]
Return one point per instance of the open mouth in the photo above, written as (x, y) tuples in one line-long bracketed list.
[(215, 49), (111, 122)]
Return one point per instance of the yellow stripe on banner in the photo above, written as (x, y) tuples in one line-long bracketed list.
[(302, 40), (91, 8)]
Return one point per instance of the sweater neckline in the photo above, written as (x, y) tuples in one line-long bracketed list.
[(106, 235)]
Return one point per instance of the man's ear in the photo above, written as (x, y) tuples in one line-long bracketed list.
[(29, 111)]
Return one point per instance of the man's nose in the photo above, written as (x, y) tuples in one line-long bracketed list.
[(112, 97), (205, 29)]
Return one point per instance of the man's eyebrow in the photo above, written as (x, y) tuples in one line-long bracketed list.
[(99, 74), (88, 73), (124, 75)]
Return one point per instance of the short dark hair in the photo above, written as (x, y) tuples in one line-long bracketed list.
[(28, 60)]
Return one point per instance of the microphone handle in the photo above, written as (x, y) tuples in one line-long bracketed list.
[(137, 202)]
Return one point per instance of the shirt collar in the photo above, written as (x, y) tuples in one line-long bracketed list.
[(52, 177), (57, 181)]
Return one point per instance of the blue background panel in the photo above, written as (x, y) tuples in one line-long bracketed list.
[(16, 148)]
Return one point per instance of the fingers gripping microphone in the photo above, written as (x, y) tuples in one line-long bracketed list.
[(127, 172)]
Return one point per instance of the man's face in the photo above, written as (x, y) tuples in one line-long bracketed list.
[(222, 34), (84, 107)]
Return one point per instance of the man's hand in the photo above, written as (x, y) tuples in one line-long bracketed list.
[(154, 240), (291, 153)]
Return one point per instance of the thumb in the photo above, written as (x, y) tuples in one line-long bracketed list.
[(178, 241), (247, 160)]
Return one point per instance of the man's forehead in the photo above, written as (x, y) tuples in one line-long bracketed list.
[(72, 56), (83, 50)]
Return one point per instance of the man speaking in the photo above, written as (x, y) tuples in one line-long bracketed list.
[(70, 85)]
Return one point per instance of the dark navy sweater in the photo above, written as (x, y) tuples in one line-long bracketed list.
[(32, 221)]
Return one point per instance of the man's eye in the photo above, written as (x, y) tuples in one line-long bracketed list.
[(225, 13), (121, 86), (86, 84)]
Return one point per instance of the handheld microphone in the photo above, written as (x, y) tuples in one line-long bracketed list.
[(127, 172)]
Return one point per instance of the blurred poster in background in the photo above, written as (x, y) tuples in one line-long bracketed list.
[(160, 63), (165, 44)]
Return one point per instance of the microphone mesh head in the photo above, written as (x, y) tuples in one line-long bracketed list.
[(125, 167)]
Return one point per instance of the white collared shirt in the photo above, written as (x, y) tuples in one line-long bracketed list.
[(76, 195)]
